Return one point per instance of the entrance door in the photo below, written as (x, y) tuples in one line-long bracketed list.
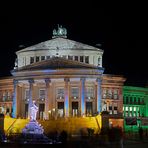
[(89, 109), (60, 109), (41, 111), (26, 110), (74, 109)]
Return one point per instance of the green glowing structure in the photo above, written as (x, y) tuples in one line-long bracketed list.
[(135, 108)]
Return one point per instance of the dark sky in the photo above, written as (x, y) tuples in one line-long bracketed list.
[(121, 29)]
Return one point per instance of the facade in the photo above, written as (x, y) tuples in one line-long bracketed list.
[(64, 77), (135, 107)]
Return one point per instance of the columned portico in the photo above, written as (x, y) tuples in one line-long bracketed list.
[(14, 105), (31, 81)]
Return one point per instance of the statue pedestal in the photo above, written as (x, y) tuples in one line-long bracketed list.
[(33, 133), (33, 127)]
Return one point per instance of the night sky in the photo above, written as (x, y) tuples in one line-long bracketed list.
[(121, 29)]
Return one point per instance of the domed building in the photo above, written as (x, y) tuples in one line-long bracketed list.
[(64, 77)]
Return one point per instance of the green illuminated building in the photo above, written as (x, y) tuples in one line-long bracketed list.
[(135, 108)]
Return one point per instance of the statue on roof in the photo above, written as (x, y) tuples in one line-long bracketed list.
[(60, 32)]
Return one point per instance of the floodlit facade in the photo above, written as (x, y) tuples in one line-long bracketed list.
[(135, 107), (64, 77)]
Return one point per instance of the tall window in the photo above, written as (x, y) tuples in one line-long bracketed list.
[(115, 108), (81, 59), (60, 93), (70, 57), (110, 108), (27, 94), (74, 92), (116, 94), (47, 57), (86, 59), (42, 58), (37, 58), (31, 60), (99, 60), (76, 58), (89, 92), (109, 93), (42, 94), (104, 93)]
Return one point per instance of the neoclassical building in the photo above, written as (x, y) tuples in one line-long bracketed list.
[(65, 79)]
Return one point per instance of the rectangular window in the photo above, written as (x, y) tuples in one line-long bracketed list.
[(115, 108), (37, 58), (81, 59), (76, 58), (74, 92), (64, 56), (89, 92), (31, 60), (116, 94), (104, 93), (70, 57), (42, 94), (47, 57), (42, 58), (27, 94), (60, 93), (86, 59)]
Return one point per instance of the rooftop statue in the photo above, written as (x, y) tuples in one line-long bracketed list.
[(33, 111), (60, 32)]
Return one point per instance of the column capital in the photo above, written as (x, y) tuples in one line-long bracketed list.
[(31, 81)]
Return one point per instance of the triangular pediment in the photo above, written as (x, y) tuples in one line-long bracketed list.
[(60, 43)]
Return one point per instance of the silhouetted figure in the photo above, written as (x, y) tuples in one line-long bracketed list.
[(141, 133), (63, 137)]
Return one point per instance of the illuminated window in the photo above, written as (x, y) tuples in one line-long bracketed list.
[(134, 108), (89, 92), (74, 92), (130, 108), (126, 108), (104, 93), (42, 94), (60, 93), (115, 108), (109, 94), (37, 58), (31, 60), (115, 93), (86, 59)]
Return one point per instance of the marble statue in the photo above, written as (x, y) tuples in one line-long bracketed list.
[(33, 112)]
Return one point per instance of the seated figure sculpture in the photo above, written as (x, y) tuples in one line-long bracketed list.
[(33, 111)]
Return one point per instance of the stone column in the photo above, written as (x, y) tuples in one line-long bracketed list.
[(66, 103), (31, 81), (99, 100), (14, 104), (47, 81), (82, 96)]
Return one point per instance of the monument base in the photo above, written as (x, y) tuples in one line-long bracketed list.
[(33, 133)]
